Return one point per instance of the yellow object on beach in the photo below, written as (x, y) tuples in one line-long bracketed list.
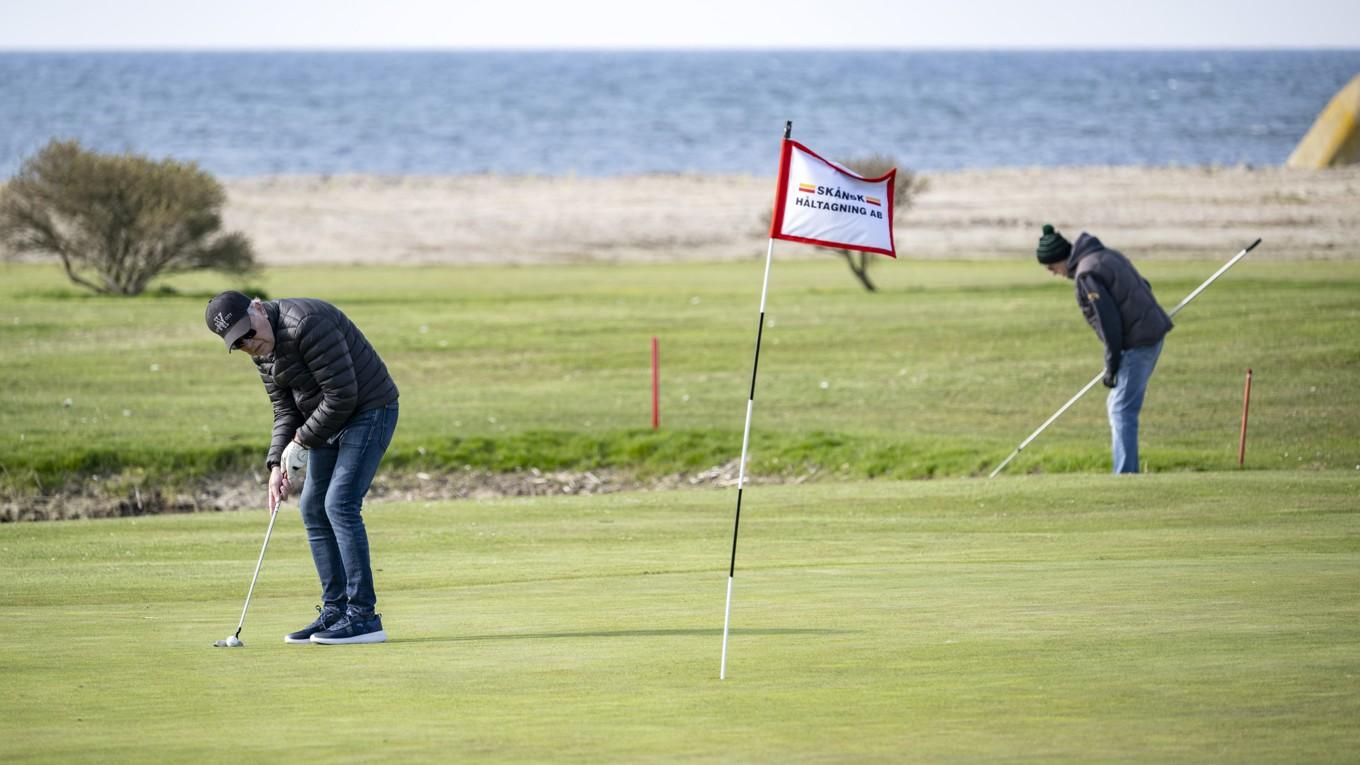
[(1334, 139)]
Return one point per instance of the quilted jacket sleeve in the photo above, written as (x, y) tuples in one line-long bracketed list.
[(325, 351), (287, 418)]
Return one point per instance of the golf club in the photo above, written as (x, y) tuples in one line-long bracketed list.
[(234, 641)]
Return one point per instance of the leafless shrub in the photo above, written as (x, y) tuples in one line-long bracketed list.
[(907, 187)]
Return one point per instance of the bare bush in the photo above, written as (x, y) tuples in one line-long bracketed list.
[(907, 186), (118, 221)]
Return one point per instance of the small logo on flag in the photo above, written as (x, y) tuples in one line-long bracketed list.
[(807, 188), (875, 201)]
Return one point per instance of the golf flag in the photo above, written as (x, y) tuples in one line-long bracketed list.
[(817, 202), (820, 202)]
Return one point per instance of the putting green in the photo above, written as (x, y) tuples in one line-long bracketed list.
[(1160, 618)]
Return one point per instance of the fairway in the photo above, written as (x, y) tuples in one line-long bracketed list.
[(941, 373), (1163, 618)]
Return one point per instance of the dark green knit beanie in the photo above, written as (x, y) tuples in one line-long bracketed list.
[(1052, 247)]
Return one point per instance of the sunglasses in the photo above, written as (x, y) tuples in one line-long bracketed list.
[(242, 340)]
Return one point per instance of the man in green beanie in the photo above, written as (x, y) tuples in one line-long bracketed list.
[(1118, 304)]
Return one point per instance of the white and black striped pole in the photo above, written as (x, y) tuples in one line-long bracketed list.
[(746, 440)]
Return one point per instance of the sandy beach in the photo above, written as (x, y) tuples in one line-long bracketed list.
[(1147, 212)]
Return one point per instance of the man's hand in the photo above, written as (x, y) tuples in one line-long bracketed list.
[(278, 488), (294, 461), (1110, 379)]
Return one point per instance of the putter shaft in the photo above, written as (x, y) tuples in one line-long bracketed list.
[(273, 515)]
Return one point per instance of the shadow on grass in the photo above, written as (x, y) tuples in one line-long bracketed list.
[(621, 634)]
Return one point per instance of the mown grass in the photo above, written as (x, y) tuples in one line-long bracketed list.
[(1190, 617), (941, 373)]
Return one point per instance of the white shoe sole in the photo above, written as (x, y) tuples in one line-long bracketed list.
[(295, 641), (372, 637)]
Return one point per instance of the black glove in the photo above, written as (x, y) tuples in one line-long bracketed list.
[(1109, 378)]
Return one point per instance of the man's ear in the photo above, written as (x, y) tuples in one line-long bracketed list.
[(257, 312)]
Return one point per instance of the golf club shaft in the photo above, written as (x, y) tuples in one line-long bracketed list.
[(1211, 279), (1085, 389), (273, 515), (1194, 294)]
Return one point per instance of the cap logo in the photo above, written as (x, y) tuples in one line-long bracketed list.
[(222, 322)]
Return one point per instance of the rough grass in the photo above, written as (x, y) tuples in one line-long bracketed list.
[(1207, 617), (941, 373)]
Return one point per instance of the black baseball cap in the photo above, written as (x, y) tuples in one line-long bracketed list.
[(226, 315)]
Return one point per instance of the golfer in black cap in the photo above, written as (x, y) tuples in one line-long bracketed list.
[(1118, 304), (335, 410)]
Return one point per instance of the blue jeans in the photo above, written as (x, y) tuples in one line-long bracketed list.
[(338, 477), (1126, 401)]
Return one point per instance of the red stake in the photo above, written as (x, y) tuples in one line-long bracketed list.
[(656, 385), (1242, 439)]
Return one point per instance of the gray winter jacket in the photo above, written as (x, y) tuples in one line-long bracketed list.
[(1115, 299), (322, 373)]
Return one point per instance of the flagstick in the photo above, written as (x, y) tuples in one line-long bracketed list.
[(745, 442), (741, 469)]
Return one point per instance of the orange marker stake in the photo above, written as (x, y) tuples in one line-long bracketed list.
[(656, 385), (1242, 439)]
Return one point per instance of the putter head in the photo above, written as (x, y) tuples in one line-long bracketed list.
[(231, 642)]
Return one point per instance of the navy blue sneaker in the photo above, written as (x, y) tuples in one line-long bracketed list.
[(326, 619), (353, 628)]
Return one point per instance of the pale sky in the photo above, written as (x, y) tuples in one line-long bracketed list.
[(634, 24)]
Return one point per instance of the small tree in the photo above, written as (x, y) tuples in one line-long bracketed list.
[(118, 221), (908, 185)]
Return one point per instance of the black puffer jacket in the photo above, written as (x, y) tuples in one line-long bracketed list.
[(1115, 299), (322, 372)]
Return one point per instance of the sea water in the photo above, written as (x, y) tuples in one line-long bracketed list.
[(611, 113)]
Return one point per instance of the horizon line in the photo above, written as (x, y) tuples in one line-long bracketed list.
[(1159, 48)]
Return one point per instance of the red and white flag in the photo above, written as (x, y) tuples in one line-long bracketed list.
[(821, 202)]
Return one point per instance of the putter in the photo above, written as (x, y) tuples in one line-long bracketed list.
[(234, 641)]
